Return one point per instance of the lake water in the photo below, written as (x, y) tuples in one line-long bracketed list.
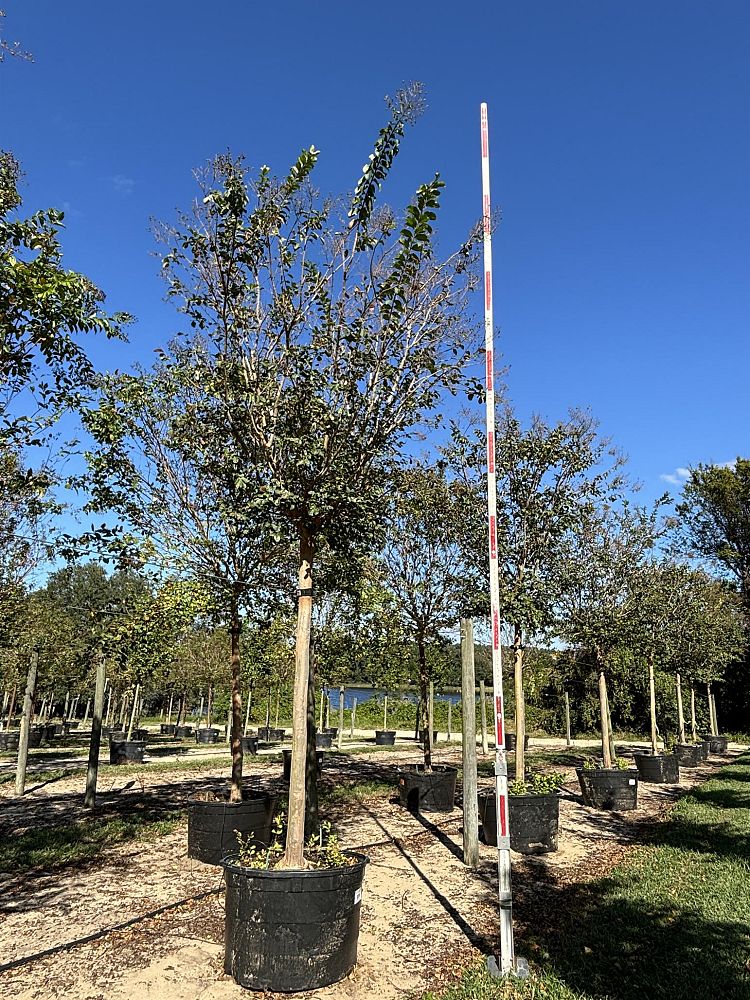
[(363, 694)]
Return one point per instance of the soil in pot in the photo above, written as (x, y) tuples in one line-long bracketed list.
[(534, 821), (716, 744), (689, 754), (658, 768), (270, 735), (427, 791), (609, 788), (290, 931), (510, 742), (126, 751), (288, 762), (213, 824), (385, 737), (207, 735)]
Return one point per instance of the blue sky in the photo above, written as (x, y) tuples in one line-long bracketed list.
[(620, 146)]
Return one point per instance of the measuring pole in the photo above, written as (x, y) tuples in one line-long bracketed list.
[(505, 963)]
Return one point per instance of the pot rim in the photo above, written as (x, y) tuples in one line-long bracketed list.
[(228, 861)]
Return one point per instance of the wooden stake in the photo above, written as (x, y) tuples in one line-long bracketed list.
[(469, 745)]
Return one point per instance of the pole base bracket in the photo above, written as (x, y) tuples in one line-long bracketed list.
[(520, 969)]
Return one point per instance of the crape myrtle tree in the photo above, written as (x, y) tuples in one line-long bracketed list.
[(599, 601), (161, 460), (547, 479), (335, 337), (423, 566), (714, 526), (713, 637)]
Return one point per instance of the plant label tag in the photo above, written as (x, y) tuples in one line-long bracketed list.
[(357, 896), (631, 781)]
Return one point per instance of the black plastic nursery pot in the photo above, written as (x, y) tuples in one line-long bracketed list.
[(534, 821), (689, 754), (270, 735), (182, 731), (705, 748), (288, 762), (510, 742), (250, 744), (290, 931), (167, 729), (213, 825), (126, 751), (141, 734), (332, 731), (660, 768), (323, 741), (9, 740), (207, 735), (609, 788), (716, 744), (427, 791), (385, 737), (36, 736)]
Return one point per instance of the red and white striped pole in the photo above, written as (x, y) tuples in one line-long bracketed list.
[(504, 964)]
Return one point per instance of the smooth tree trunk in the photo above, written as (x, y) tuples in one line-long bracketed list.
[(711, 720), (86, 713), (67, 704), (353, 717), (294, 854), (341, 718), (278, 707), (520, 704), (431, 714), (610, 730), (604, 713), (169, 710), (714, 716), (680, 712), (568, 740), (133, 712), (235, 725), (652, 705), (385, 712), (312, 817), (469, 745), (247, 714), (424, 699), (321, 711), (450, 706), (210, 706), (11, 706), (200, 710), (92, 771), (693, 721), (483, 716), (28, 709)]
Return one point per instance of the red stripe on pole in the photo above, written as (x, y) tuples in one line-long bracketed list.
[(488, 289), (489, 372), (502, 810), (499, 721), (493, 537), (491, 451), (495, 629), (486, 213)]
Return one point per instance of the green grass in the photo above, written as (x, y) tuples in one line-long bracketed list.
[(673, 921), (56, 846)]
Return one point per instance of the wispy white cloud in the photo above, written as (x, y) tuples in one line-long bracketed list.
[(676, 478), (122, 185)]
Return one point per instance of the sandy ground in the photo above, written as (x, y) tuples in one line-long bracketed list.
[(143, 920)]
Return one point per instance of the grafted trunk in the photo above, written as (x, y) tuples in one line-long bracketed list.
[(693, 723), (89, 799)]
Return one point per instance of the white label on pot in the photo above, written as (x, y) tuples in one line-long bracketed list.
[(357, 896), (631, 781)]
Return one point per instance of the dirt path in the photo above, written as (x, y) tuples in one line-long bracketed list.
[(143, 920)]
